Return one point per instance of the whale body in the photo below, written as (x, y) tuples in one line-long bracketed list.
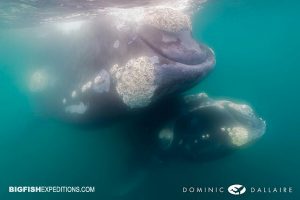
[(107, 66), (128, 57)]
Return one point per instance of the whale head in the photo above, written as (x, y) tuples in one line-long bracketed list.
[(207, 128), (166, 59)]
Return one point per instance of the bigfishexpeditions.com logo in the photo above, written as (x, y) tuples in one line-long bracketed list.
[(236, 189)]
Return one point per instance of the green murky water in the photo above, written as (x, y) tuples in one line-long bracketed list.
[(257, 50)]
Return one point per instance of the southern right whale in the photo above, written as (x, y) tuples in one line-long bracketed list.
[(118, 63), (107, 66), (198, 127)]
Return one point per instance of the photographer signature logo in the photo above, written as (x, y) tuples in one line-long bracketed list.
[(236, 189)]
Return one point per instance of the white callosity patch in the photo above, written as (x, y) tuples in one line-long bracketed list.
[(166, 137), (247, 126), (135, 81), (80, 108), (98, 79), (205, 136), (102, 82), (74, 94), (222, 104), (169, 20), (166, 11), (166, 134), (38, 81), (116, 44), (86, 86), (116, 71), (243, 108), (239, 135)]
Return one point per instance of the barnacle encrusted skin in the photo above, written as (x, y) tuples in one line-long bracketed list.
[(80, 108), (135, 81), (169, 20), (116, 71), (239, 135), (86, 86), (242, 108)]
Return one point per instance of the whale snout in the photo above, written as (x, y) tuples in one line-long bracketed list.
[(183, 62), (178, 47), (206, 128)]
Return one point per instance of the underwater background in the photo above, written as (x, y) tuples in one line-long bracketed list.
[(257, 51)]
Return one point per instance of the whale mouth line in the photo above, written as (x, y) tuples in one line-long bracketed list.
[(159, 52), (187, 61)]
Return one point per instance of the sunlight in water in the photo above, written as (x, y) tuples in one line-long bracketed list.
[(69, 27)]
